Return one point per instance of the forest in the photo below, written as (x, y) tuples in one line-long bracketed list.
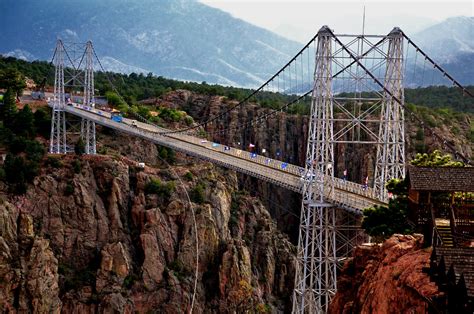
[(135, 87)]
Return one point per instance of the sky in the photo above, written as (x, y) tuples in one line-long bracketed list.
[(300, 19)]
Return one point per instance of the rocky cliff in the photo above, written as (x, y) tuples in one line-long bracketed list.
[(284, 136), (99, 234), (387, 278)]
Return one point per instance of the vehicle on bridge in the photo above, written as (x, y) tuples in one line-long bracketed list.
[(116, 116)]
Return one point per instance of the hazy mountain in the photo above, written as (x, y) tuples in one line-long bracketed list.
[(451, 44), (181, 39), (447, 40), (187, 40)]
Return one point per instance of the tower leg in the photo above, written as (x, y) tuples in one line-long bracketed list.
[(315, 279), (390, 160), (88, 127), (57, 143)]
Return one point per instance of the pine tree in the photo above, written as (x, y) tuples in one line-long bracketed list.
[(24, 123), (9, 109)]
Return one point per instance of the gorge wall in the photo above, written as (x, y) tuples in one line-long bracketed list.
[(90, 237), (288, 133)]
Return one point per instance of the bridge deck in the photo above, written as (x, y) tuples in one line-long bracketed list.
[(348, 195)]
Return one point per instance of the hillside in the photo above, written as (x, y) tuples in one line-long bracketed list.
[(182, 39)]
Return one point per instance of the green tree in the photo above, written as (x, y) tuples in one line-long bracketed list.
[(80, 147), (42, 118), (34, 150), (9, 110), (435, 159), (14, 167), (383, 221), (13, 80), (115, 100), (24, 123)]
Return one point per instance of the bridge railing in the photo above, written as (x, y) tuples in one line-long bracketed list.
[(278, 165), (154, 133)]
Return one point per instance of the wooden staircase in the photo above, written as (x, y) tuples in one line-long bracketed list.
[(444, 232)]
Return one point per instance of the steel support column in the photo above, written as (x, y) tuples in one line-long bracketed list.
[(57, 143), (315, 279), (390, 159), (87, 126)]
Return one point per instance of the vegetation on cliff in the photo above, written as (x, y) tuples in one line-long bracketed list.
[(18, 130)]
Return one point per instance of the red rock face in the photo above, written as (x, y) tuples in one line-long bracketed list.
[(110, 247), (386, 278)]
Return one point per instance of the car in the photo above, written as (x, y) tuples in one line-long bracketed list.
[(116, 116), (308, 176)]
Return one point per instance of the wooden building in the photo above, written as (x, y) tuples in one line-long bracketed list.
[(441, 206), (441, 203)]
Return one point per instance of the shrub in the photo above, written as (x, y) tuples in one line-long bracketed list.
[(69, 190), (170, 115), (17, 144), (167, 154), (263, 308), (129, 280), (16, 170), (188, 176), (76, 166), (197, 194), (54, 162), (102, 150), (420, 135), (156, 187), (188, 120), (178, 269), (80, 147)]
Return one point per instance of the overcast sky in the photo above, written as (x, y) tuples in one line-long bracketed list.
[(300, 19)]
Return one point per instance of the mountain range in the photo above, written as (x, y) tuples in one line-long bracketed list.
[(185, 39)]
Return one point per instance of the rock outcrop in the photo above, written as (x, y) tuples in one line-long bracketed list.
[(94, 235), (387, 278)]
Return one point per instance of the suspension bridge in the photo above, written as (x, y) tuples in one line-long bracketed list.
[(354, 85)]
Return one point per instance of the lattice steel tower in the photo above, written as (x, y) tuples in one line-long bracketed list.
[(58, 144), (315, 280), (355, 71), (390, 159), (87, 126)]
